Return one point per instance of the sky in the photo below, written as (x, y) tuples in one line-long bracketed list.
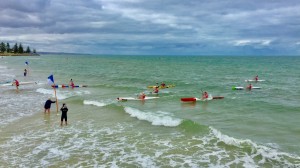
[(153, 27)]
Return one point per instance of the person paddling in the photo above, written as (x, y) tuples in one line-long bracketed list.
[(163, 85), (249, 86), (16, 82), (155, 90), (142, 96), (256, 78), (205, 95), (71, 83)]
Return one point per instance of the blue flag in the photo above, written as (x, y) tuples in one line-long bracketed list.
[(50, 80)]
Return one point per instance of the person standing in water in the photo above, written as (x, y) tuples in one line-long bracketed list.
[(64, 110), (25, 72), (47, 105)]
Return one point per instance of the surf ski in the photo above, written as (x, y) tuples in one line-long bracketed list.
[(134, 98), (20, 83), (253, 80), (242, 88), (162, 87), (68, 86), (194, 99)]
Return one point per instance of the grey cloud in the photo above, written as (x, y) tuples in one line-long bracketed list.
[(25, 5), (206, 26)]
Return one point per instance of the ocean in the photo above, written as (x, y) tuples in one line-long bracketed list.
[(257, 128)]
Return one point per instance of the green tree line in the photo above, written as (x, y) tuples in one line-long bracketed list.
[(17, 48)]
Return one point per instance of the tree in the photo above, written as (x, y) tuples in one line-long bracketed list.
[(7, 47), (20, 49), (28, 50), (16, 49), (2, 47)]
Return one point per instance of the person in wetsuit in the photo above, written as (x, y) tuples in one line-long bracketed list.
[(47, 105), (25, 72), (64, 109)]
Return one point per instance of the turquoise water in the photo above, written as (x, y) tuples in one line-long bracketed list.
[(257, 128)]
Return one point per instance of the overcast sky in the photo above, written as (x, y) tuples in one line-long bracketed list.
[(154, 27)]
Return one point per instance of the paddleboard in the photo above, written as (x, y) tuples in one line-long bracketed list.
[(160, 87), (242, 88), (218, 97), (133, 98), (253, 80), (194, 99), (67, 86), (20, 83)]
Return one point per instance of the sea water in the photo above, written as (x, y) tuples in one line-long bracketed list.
[(257, 128)]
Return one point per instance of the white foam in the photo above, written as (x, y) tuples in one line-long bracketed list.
[(61, 95), (158, 118), (95, 103), (229, 140), (267, 153)]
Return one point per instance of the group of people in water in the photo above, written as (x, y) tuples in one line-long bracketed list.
[(64, 109), (204, 95), (156, 88)]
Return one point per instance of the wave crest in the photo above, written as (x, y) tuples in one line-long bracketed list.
[(158, 118)]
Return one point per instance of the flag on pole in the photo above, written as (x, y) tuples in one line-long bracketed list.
[(26, 63), (50, 80)]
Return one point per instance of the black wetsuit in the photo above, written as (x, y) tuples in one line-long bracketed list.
[(64, 111), (48, 104)]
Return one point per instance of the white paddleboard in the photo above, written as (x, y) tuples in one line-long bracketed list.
[(252, 80), (241, 88), (20, 83), (200, 99), (133, 98)]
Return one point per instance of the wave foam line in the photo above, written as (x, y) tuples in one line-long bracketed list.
[(60, 95), (266, 153), (158, 118), (95, 103)]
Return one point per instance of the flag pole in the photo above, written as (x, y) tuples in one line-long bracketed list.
[(51, 83), (55, 98)]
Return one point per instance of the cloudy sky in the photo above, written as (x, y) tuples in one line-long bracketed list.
[(154, 27)]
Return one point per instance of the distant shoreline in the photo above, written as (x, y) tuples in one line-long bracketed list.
[(19, 54)]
